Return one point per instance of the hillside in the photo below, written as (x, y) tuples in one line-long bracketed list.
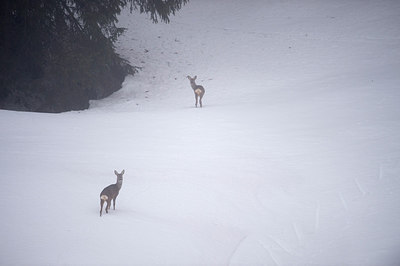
[(293, 160)]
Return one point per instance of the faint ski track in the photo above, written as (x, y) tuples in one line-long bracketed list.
[(297, 232), (360, 188), (236, 249), (269, 252), (344, 203)]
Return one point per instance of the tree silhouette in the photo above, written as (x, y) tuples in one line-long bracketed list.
[(56, 55)]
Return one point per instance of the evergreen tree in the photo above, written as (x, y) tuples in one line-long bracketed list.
[(56, 55)]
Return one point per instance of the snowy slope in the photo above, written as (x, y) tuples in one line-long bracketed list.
[(294, 159)]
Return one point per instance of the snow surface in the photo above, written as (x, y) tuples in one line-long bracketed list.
[(293, 160)]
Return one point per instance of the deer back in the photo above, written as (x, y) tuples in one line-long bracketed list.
[(111, 191)]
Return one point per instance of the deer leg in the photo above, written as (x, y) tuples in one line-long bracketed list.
[(201, 104), (108, 205), (197, 98), (101, 206), (114, 202)]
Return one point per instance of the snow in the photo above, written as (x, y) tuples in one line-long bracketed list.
[(293, 160)]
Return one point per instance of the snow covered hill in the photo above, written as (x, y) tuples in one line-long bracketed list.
[(293, 160)]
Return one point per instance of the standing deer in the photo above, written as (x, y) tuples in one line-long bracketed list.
[(111, 192), (198, 90)]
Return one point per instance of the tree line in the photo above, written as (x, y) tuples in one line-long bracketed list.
[(56, 55)]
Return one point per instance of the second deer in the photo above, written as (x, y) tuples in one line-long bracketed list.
[(198, 90), (111, 192)]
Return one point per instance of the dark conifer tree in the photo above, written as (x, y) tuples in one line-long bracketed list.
[(56, 55)]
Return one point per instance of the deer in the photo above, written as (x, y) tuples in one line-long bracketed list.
[(111, 192), (198, 90)]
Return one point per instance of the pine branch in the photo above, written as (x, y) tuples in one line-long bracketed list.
[(71, 15)]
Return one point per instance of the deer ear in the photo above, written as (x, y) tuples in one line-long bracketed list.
[(195, 77), (123, 172), (115, 172)]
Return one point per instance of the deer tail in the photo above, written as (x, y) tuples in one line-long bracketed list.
[(104, 197)]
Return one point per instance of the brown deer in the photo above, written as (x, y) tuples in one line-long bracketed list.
[(198, 90), (111, 192)]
